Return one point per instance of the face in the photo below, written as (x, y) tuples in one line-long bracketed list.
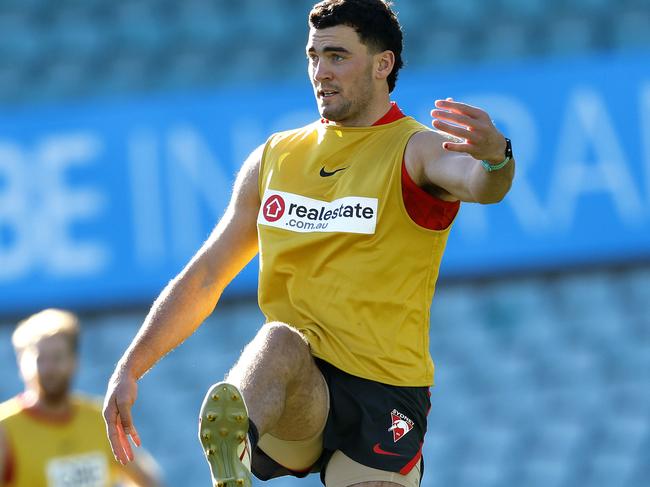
[(341, 73), (48, 368)]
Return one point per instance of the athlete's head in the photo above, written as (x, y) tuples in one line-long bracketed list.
[(355, 53), (46, 349)]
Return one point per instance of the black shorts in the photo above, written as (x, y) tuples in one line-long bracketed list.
[(377, 425)]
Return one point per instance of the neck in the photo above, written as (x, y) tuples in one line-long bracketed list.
[(60, 406), (369, 117)]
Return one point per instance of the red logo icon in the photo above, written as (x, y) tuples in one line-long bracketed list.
[(401, 425), (378, 450), (273, 209)]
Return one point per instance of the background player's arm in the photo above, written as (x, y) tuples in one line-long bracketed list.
[(449, 161), (185, 303)]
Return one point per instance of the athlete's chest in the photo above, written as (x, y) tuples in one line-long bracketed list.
[(332, 166), (334, 188)]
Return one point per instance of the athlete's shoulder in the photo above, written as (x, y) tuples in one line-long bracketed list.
[(427, 139), (10, 408), (412, 123), (293, 134)]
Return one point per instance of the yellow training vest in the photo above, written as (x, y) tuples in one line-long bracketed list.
[(340, 259), (67, 453)]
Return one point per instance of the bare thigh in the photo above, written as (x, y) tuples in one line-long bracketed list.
[(306, 407), (284, 390)]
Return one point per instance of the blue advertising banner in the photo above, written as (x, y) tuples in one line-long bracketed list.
[(102, 203)]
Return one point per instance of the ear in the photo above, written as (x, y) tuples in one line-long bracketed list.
[(384, 63)]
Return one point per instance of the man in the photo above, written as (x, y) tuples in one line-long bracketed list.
[(350, 216), (48, 436)]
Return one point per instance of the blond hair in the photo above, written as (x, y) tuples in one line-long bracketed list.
[(45, 324)]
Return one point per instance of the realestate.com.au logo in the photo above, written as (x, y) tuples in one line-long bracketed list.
[(274, 208), (296, 213)]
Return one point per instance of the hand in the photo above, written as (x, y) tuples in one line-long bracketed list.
[(120, 396), (480, 138)]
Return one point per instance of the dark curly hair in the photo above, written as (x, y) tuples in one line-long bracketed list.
[(373, 20)]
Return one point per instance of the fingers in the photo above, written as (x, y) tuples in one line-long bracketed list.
[(462, 108), (126, 421), (462, 127), (124, 444), (481, 139), (458, 119), (135, 437), (452, 129), (451, 119), (119, 427), (458, 147), (113, 429)]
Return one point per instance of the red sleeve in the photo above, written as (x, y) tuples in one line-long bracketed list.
[(425, 209)]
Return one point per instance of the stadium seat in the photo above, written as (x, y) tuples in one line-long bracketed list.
[(12, 83), (59, 79), (635, 287), (568, 36), (183, 65), (454, 305), (519, 296), (582, 7), (22, 4), (543, 473), (611, 470), (441, 46), (411, 15), (76, 34), (505, 42), (511, 371), (144, 33), (208, 25), (586, 295), (459, 14), (123, 72), (522, 9), (269, 22), (631, 29), (21, 40)]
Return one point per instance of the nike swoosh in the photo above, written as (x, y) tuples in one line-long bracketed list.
[(326, 174), (377, 449)]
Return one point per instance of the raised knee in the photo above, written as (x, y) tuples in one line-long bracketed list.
[(285, 339), (277, 331)]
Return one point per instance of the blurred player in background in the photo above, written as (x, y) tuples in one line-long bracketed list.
[(350, 215), (48, 435)]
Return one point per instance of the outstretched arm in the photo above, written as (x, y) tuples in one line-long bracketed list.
[(448, 161), (184, 303)]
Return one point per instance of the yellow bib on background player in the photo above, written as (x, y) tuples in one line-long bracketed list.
[(340, 258), (58, 453)]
